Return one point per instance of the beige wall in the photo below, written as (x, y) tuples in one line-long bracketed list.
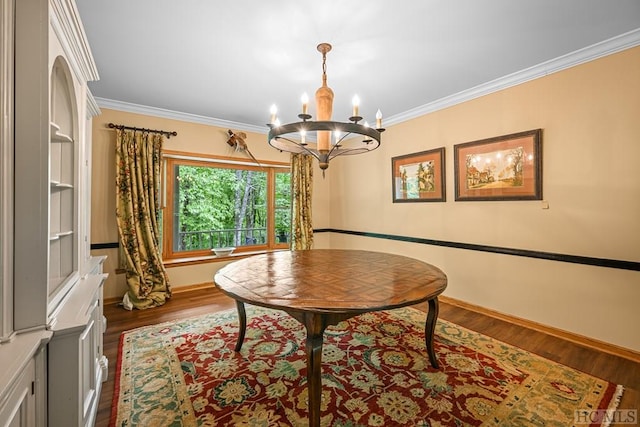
[(590, 116), (591, 133)]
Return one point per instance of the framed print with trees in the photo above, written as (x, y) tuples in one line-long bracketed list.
[(507, 167), (419, 177)]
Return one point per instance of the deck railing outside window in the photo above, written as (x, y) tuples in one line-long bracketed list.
[(208, 239)]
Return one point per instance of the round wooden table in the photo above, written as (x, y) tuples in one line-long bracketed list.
[(323, 287)]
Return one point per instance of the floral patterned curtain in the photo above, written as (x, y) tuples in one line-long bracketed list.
[(138, 158), (301, 192)]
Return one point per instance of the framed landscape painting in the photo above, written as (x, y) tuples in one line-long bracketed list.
[(419, 177), (507, 167)]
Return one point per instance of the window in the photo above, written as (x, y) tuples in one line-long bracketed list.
[(215, 203)]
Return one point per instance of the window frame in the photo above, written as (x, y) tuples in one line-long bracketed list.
[(171, 159)]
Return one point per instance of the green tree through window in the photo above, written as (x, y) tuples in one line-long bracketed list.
[(215, 205), (283, 207)]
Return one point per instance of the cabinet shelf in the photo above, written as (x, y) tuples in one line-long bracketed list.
[(57, 236), (56, 185), (57, 136)]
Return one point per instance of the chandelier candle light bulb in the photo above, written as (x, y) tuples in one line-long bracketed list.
[(350, 137), (356, 105)]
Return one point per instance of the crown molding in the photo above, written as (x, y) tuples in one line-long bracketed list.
[(92, 106), (66, 23), (581, 56), (177, 115)]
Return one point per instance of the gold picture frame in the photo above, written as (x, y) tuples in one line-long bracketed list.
[(419, 177), (507, 167)]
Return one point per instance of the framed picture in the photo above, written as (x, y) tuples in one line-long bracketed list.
[(419, 177), (507, 167)]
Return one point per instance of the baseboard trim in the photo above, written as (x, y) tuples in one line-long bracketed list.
[(112, 301), (549, 330), (180, 289), (195, 287)]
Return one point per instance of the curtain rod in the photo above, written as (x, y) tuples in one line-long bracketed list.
[(169, 134)]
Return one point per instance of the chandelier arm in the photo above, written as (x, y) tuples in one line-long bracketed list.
[(288, 140), (348, 152), (338, 142), (308, 151), (338, 145), (302, 147)]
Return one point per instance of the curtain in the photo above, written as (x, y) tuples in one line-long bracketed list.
[(301, 192), (138, 158)]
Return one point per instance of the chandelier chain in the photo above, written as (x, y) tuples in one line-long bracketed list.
[(324, 68)]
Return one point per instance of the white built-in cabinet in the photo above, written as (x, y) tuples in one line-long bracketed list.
[(77, 366), (51, 299)]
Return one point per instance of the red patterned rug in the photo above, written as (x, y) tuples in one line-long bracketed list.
[(375, 372)]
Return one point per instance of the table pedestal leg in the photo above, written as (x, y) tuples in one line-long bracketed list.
[(242, 317), (315, 326), (429, 330)]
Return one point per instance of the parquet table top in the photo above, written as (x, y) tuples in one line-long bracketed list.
[(331, 279)]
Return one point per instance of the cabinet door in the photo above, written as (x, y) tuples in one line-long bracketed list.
[(88, 360), (19, 409), (74, 376)]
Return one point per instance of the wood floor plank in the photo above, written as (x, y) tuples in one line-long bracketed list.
[(201, 301)]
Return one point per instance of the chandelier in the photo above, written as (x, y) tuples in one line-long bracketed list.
[(323, 138)]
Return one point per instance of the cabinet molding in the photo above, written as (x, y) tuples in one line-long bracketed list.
[(6, 168), (67, 25)]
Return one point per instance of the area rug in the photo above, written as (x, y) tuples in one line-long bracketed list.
[(375, 372)]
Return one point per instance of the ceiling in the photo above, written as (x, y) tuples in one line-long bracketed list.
[(231, 60)]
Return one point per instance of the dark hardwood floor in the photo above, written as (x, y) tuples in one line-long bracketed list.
[(196, 302)]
